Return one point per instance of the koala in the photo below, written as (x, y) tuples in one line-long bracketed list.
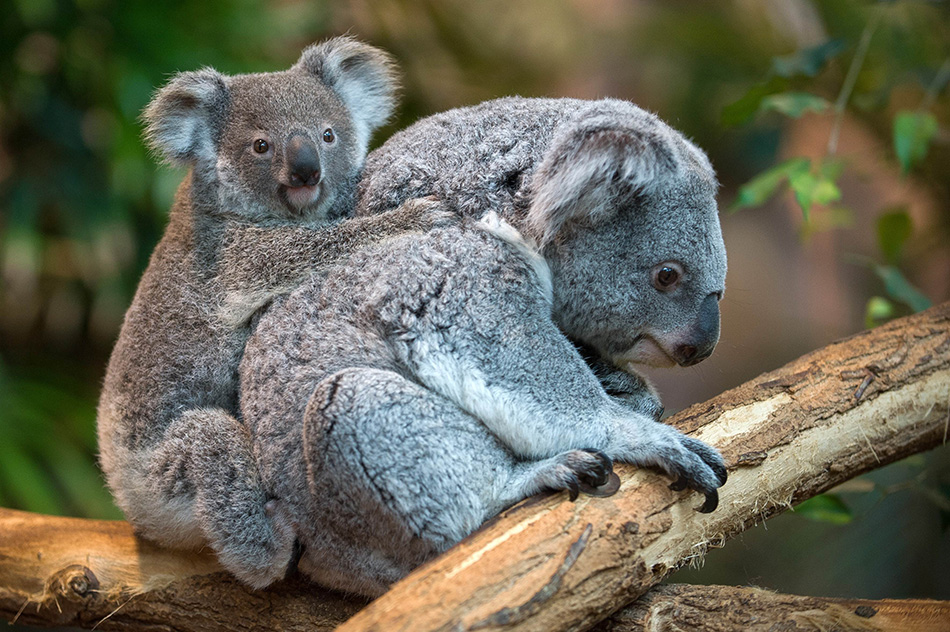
[(274, 159), (404, 396)]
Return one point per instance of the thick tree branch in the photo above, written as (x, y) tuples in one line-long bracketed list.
[(726, 608), (546, 564)]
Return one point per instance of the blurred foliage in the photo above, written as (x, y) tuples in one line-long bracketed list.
[(814, 183), (82, 204)]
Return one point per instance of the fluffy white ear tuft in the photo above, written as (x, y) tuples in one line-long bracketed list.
[(595, 162), (364, 77), (185, 116)]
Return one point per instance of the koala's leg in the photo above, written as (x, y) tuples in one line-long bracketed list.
[(205, 455), (398, 474)]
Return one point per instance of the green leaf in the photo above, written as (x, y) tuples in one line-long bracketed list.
[(879, 310), (893, 229), (793, 104), (900, 289), (763, 186), (745, 108), (810, 188), (808, 61), (825, 508), (913, 132)]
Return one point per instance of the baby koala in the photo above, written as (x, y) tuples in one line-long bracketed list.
[(274, 160), (405, 396)]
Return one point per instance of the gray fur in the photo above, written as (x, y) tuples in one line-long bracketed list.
[(405, 396), (175, 456)]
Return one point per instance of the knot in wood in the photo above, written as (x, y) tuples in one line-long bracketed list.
[(74, 582)]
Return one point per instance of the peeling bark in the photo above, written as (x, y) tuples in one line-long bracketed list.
[(725, 609), (546, 564)]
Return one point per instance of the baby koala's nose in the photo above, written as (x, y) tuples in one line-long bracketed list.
[(303, 162)]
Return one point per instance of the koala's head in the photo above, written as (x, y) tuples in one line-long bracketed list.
[(624, 209), (281, 145)]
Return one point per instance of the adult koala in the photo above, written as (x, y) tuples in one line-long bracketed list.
[(411, 393)]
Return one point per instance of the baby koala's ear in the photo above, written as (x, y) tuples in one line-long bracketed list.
[(363, 76), (184, 119)]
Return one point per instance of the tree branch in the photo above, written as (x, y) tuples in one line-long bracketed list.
[(546, 564), (725, 608)]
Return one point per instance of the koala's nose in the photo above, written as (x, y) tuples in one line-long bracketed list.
[(303, 162), (704, 335)]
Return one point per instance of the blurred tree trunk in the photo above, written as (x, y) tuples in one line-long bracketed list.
[(545, 564)]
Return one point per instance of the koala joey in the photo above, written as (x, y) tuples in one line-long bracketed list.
[(408, 394), (274, 159)]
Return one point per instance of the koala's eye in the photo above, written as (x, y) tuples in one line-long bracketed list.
[(261, 146), (328, 136), (666, 276)]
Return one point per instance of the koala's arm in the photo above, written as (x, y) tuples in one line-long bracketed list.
[(259, 263)]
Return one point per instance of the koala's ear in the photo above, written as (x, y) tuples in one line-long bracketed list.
[(185, 117), (594, 164), (364, 77)]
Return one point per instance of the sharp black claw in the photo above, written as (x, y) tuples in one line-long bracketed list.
[(721, 474), (601, 474), (574, 490), (679, 484), (712, 501)]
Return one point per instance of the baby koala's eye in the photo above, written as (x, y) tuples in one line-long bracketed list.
[(328, 136), (666, 276), (261, 146)]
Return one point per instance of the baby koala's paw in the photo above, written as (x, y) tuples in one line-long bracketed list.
[(693, 464)]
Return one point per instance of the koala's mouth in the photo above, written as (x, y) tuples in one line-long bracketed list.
[(296, 199), (645, 350)]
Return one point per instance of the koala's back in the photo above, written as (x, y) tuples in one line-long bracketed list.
[(473, 158), (366, 314), (172, 355)]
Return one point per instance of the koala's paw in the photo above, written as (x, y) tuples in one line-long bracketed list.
[(574, 469), (693, 464), (266, 550)]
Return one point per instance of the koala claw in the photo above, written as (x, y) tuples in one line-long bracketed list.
[(574, 489), (691, 463), (709, 456), (599, 473), (712, 501), (589, 471)]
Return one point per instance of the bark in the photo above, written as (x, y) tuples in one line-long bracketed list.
[(546, 564), (725, 609), (86, 573)]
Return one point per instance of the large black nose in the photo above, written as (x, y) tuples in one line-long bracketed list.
[(303, 162), (704, 335)]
